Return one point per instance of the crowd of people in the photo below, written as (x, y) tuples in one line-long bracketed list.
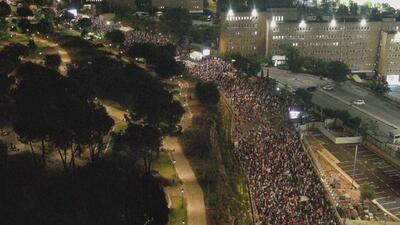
[(140, 36), (283, 184), (133, 36)]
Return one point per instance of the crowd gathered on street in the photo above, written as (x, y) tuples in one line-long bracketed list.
[(140, 36), (283, 184)]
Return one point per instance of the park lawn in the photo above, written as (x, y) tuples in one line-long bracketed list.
[(120, 127), (177, 213), (169, 179)]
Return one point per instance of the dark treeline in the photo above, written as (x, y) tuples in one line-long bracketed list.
[(103, 180)]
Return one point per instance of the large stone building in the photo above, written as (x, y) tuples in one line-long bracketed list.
[(365, 46), (194, 6)]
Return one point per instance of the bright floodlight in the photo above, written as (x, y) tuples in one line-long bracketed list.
[(273, 24), (302, 24), (333, 23), (363, 22), (108, 22), (294, 114), (230, 13), (206, 52), (254, 13)]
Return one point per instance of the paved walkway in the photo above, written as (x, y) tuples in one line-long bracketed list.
[(65, 58), (193, 193)]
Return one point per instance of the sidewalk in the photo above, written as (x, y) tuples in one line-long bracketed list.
[(196, 212)]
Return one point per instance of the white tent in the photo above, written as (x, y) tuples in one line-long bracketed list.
[(196, 55)]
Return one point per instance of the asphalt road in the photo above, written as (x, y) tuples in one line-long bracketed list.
[(369, 169), (375, 109)]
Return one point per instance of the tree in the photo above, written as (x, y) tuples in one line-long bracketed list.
[(353, 8), (5, 9), (84, 25), (343, 10), (292, 54), (10, 57), (380, 86), (45, 27), (46, 14), (116, 36), (24, 11), (338, 71), (143, 5), (207, 93), (3, 157), (367, 191), (24, 26), (303, 97), (37, 105), (178, 21), (145, 141), (53, 61), (91, 126)]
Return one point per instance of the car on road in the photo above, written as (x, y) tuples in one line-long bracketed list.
[(359, 102), (328, 88)]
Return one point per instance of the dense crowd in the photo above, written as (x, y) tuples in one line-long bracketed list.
[(283, 184), (103, 26), (139, 36)]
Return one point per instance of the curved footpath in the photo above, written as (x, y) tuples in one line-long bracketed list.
[(196, 212)]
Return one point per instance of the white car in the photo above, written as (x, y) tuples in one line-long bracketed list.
[(328, 88), (359, 102)]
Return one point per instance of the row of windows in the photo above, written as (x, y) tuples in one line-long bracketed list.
[(277, 18), (243, 25), (310, 37), (242, 47), (238, 18), (309, 28)]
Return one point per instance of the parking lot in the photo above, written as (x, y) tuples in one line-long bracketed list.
[(372, 169)]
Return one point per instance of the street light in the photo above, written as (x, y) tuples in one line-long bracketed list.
[(333, 23), (302, 24), (363, 22), (230, 14), (273, 24), (254, 13)]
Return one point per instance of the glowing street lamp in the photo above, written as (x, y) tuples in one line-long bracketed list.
[(363, 22), (333, 23), (230, 14), (302, 24), (273, 24), (254, 13)]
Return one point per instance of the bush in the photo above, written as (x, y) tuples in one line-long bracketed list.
[(367, 191), (53, 61), (115, 36)]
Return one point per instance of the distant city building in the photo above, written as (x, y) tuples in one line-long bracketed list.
[(365, 46), (194, 6)]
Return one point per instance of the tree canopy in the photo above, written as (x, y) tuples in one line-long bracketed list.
[(5, 9), (115, 36), (177, 20)]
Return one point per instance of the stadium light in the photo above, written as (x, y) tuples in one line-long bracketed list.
[(302, 24), (363, 22), (230, 14), (294, 114), (254, 13), (333, 23), (273, 24)]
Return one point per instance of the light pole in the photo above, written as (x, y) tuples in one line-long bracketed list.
[(354, 166)]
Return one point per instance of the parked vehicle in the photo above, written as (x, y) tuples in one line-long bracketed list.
[(359, 102), (328, 88)]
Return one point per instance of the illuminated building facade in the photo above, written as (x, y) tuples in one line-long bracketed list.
[(365, 46), (194, 6)]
